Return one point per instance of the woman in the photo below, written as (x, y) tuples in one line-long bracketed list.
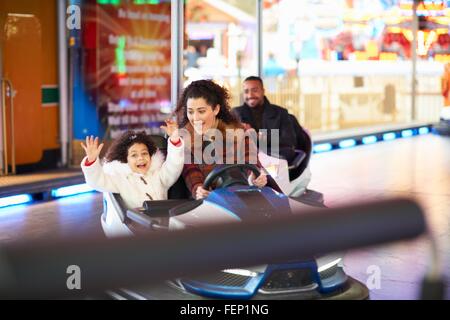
[(203, 110)]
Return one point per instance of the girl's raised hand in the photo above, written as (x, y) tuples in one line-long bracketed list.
[(92, 148), (171, 129)]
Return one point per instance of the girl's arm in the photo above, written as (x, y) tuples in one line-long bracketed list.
[(92, 169), (172, 167), (97, 178)]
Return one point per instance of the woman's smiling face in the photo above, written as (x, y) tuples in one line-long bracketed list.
[(201, 115)]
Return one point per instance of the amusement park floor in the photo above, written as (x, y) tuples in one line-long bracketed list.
[(417, 167)]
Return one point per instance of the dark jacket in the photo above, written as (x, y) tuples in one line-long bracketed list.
[(274, 117)]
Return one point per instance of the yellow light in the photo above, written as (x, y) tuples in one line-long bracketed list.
[(361, 55), (408, 35), (442, 58), (391, 56), (372, 49)]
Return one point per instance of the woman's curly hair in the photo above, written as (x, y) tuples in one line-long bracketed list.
[(213, 94), (119, 148)]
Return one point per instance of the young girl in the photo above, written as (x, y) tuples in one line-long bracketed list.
[(134, 167)]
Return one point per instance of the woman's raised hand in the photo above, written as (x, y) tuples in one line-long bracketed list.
[(171, 129), (92, 148)]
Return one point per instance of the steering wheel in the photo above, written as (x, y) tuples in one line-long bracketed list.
[(222, 172)]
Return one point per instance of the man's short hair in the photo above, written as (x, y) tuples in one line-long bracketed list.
[(255, 78)]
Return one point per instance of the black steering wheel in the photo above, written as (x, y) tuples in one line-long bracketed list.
[(222, 172)]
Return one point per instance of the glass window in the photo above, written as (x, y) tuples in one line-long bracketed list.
[(343, 64), (221, 42)]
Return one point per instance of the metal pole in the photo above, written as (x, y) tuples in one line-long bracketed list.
[(13, 140), (5, 142), (414, 60), (259, 24), (2, 146), (10, 93), (63, 77), (177, 46)]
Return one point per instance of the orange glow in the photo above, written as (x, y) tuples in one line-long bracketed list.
[(442, 58), (388, 56)]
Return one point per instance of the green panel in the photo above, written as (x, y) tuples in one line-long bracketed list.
[(50, 95)]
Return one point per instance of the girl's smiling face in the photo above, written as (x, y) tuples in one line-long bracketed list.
[(139, 158)]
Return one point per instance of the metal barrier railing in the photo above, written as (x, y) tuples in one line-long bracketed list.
[(325, 103), (8, 91)]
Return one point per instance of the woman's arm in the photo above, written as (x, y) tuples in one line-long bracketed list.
[(193, 177), (250, 157)]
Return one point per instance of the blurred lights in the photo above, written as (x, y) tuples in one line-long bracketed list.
[(369, 139), (113, 2), (123, 103), (407, 133), (71, 190), (389, 136), (323, 147), (347, 143), (15, 200)]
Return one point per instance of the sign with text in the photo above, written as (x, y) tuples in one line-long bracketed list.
[(129, 68)]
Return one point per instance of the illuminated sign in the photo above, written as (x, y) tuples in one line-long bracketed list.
[(129, 68)]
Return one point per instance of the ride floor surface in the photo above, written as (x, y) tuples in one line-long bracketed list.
[(417, 167)]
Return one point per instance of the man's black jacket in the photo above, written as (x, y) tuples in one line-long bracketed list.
[(274, 117)]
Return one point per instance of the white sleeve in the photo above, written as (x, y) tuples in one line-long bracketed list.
[(97, 178), (173, 166)]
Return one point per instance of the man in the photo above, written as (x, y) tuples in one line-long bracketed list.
[(258, 113)]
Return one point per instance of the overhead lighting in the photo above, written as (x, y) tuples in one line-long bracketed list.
[(324, 147), (71, 190), (15, 200)]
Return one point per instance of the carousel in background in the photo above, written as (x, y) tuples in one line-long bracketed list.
[(386, 33), (433, 39)]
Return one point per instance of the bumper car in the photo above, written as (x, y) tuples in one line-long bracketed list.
[(443, 127), (233, 200)]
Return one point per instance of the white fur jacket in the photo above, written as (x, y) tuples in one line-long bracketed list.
[(135, 188)]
